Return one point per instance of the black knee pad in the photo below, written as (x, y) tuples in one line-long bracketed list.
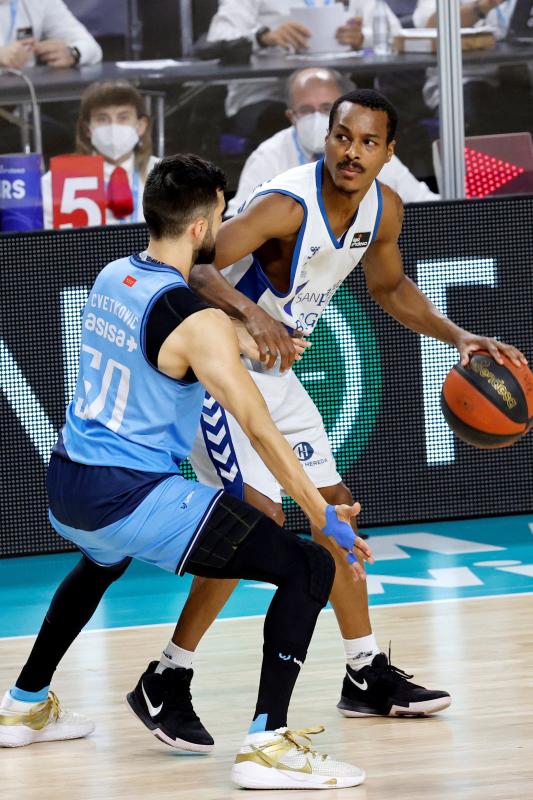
[(228, 525), (321, 570)]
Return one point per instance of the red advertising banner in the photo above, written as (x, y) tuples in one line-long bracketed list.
[(78, 191)]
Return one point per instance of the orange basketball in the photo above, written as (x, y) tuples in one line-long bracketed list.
[(487, 404)]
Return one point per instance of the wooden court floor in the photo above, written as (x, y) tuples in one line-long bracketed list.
[(480, 749)]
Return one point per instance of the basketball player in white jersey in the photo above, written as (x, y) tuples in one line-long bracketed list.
[(284, 255)]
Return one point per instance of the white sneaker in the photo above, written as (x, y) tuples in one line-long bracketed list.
[(25, 723), (282, 759)]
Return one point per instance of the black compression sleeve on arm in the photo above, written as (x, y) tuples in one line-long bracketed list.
[(169, 310)]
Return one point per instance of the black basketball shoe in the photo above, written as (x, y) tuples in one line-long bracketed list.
[(163, 703), (383, 690)]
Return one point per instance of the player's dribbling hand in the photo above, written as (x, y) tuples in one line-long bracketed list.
[(339, 530), (468, 343), (271, 337)]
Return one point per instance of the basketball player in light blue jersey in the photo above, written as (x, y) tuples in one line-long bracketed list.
[(284, 255), (149, 350)]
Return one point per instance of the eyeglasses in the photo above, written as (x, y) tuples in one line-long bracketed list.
[(306, 111)]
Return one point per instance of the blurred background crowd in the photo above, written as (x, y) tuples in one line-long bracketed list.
[(263, 121)]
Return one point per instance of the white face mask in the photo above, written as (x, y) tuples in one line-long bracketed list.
[(114, 141), (311, 131)]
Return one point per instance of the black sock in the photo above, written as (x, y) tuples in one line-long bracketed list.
[(303, 573), (282, 662), (72, 606)]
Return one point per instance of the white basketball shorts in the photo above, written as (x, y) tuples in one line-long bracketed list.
[(222, 455)]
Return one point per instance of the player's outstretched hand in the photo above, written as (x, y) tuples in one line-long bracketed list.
[(272, 339), (300, 344), (468, 343), (338, 528)]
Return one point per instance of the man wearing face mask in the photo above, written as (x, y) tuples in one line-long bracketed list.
[(311, 93), (114, 124)]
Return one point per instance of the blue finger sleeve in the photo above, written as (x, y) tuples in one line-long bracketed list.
[(340, 531)]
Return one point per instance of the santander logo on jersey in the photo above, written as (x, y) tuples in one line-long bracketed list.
[(306, 306)]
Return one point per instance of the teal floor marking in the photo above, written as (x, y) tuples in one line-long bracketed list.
[(423, 562)]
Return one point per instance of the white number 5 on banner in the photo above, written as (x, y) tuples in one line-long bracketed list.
[(70, 201)]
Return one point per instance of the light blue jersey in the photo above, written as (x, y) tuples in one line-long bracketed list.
[(113, 481), (125, 412)]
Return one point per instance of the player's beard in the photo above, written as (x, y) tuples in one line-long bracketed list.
[(206, 253)]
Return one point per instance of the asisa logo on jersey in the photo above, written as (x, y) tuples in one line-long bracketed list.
[(129, 281), (303, 450), (360, 240)]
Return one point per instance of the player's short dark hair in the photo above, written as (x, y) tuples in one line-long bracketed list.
[(178, 189), (369, 99)]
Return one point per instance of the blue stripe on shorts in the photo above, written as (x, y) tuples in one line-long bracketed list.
[(219, 446)]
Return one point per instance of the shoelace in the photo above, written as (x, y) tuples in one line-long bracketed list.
[(394, 672), (37, 717), (293, 736), (50, 709)]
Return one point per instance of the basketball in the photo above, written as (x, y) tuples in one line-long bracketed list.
[(486, 404)]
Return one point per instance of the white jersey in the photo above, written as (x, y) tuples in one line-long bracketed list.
[(320, 261)]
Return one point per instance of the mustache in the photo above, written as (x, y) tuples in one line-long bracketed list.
[(355, 165)]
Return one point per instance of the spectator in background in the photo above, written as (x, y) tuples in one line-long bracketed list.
[(310, 94), (43, 31), (113, 123), (257, 108), (403, 10), (497, 99)]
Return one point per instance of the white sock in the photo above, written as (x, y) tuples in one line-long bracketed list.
[(174, 656), (360, 652)]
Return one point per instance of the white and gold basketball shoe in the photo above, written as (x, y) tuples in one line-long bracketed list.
[(283, 759), (27, 723)]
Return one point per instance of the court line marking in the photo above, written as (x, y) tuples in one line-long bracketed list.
[(262, 616)]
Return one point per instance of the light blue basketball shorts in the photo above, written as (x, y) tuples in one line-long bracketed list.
[(162, 530)]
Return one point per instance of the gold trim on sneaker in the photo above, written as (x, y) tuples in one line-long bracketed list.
[(38, 717), (271, 753)]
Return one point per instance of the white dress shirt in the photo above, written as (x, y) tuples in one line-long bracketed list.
[(283, 151), (136, 183), (48, 19), (236, 18), (497, 20)]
